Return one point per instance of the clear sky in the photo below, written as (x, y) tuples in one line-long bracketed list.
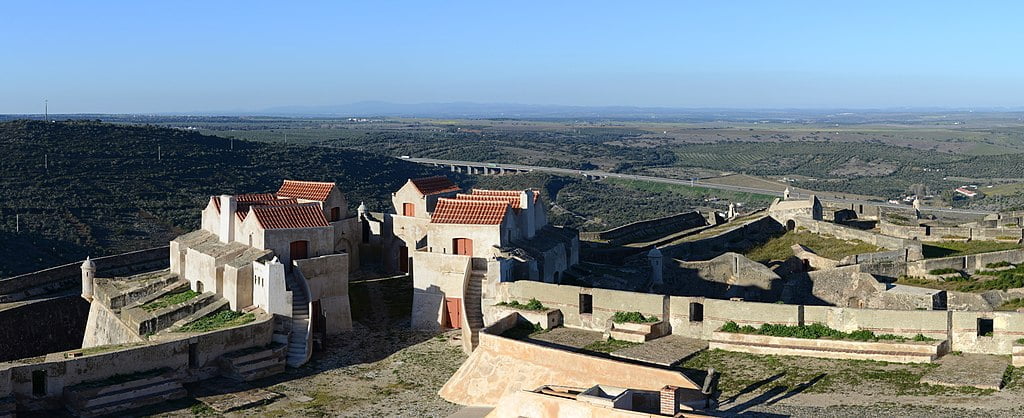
[(183, 56)]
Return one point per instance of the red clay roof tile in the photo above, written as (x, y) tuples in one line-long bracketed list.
[(306, 215), (307, 190), (434, 185), (513, 201), (472, 212)]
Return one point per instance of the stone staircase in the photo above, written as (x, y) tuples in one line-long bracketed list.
[(116, 395), (255, 363), (472, 300), (298, 339)]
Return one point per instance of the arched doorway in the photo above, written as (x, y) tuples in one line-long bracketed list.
[(199, 287), (790, 225)]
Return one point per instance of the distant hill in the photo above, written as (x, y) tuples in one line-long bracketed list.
[(90, 188)]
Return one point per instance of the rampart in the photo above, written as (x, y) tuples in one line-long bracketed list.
[(68, 276), (651, 227), (699, 317), (733, 238), (943, 233), (43, 326), (501, 366), (190, 357), (968, 263)]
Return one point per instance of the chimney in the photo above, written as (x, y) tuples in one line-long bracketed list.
[(669, 401), (528, 215), (228, 205)]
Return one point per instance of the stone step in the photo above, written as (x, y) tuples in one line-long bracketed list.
[(117, 406), (629, 335)]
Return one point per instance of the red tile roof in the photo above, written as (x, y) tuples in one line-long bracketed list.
[(306, 215), (513, 201), (516, 193), (308, 190), (243, 207), (434, 185), (472, 212), (255, 197)]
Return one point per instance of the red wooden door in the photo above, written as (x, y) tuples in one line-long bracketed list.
[(299, 250), (463, 246), (408, 209), (403, 259), (453, 308)]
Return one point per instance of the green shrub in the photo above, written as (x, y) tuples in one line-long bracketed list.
[(532, 305), (633, 317), (170, 299), (815, 331), (218, 320), (997, 264), (942, 271)]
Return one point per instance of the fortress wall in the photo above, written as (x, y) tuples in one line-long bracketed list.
[(69, 275), (605, 302), (1007, 327), (64, 372), (903, 231), (681, 221), (104, 327), (44, 326), (501, 366), (717, 312), (949, 233), (724, 240), (992, 234), (969, 263)]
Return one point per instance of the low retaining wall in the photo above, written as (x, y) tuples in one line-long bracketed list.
[(174, 354), (501, 366), (699, 317), (946, 233), (968, 263), (1018, 355), (896, 352), (912, 249), (68, 276)]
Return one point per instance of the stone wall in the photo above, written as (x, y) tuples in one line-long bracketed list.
[(68, 276), (501, 366), (732, 238), (43, 326), (942, 233), (968, 263), (698, 317), (173, 354), (651, 227)]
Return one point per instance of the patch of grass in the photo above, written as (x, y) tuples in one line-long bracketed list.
[(958, 248), (532, 305), (1011, 305), (633, 317), (780, 248), (105, 348), (170, 299), (218, 320), (1020, 341), (940, 272), (608, 346), (816, 331)]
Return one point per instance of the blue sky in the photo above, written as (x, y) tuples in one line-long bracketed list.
[(183, 56)]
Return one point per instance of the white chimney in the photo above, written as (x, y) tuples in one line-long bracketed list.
[(526, 203), (228, 206)]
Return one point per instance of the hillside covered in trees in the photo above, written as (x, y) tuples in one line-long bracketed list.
[(88, 188)]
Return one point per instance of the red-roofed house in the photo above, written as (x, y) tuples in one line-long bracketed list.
[(475, 241)]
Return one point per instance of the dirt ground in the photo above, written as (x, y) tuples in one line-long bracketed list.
[(366, 373)]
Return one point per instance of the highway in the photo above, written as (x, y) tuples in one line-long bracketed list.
[(693, 183)]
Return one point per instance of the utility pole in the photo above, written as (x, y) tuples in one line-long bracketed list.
[(159, 153), (46, 162), (17, 222), (46, 110)]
